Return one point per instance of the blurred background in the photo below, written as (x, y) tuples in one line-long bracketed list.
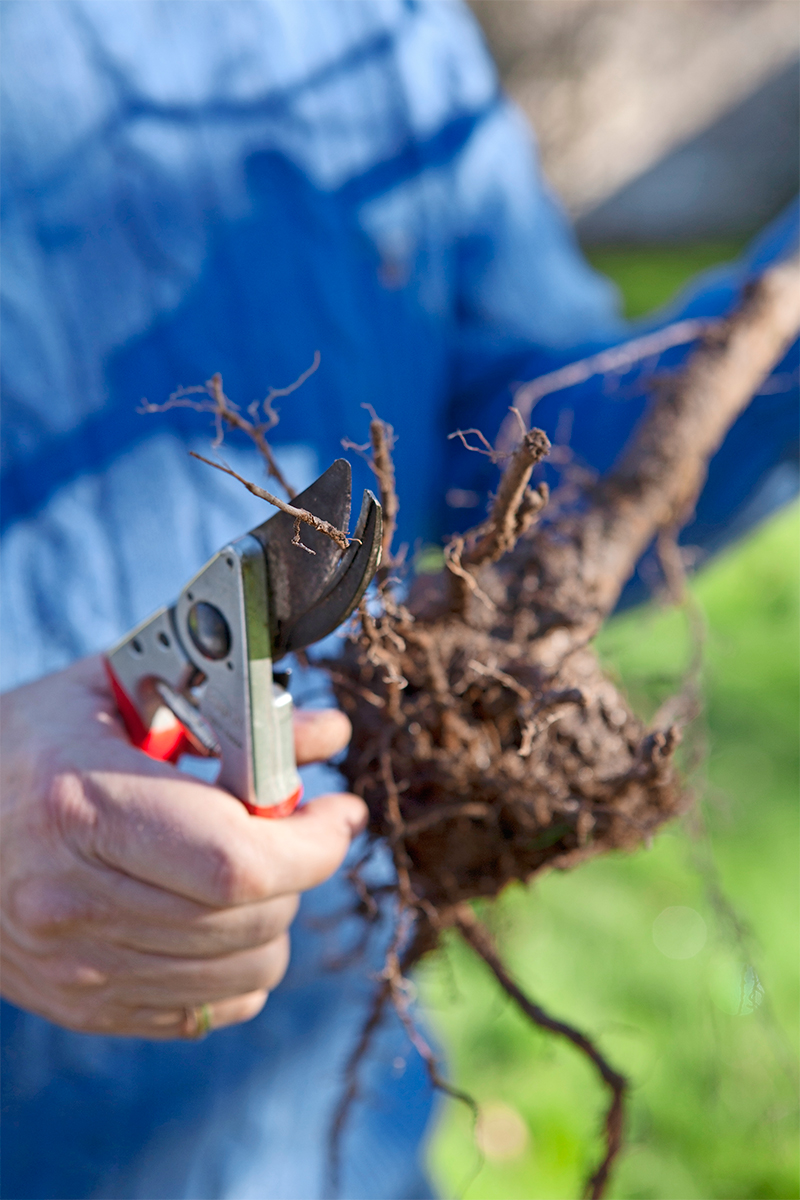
[(657, 120), (670, 130)]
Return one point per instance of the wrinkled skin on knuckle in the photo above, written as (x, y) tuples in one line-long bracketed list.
[(236, 874), (68, 809), (84, 997), (67, 992), (72, 970), (45, 906)]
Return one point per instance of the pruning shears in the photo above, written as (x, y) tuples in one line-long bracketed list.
[(197, 677)]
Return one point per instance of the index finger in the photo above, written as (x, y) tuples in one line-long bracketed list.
[(198, 841)]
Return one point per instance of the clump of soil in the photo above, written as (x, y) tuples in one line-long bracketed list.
[(488, 767)]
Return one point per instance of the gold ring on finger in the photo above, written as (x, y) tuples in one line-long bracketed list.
[(197, 1021)]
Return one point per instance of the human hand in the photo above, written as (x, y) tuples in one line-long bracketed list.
[(134, 897)]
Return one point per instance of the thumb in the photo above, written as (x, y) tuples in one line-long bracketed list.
[(319, 733)]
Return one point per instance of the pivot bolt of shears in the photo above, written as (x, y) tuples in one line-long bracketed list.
[(209, 630)]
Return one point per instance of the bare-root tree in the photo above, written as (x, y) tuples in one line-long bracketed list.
[(487, 741)]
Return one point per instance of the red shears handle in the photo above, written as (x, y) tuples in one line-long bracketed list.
[(169, 743)]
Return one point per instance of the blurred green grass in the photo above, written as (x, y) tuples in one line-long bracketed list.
[(713, 1110), (648, 278)]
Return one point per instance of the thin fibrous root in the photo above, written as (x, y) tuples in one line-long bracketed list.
[(477, 936), (300, 514), (350, 1091), (226, 412), (396, 987), (615, 361)]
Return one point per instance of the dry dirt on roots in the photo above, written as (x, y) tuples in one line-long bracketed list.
[(484, 769)]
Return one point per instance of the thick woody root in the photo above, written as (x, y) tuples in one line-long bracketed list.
[(578, 565)]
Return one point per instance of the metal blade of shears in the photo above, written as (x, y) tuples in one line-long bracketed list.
[(311, 594), (349, 583)]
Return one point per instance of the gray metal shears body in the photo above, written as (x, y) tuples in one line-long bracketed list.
[(198, 676)]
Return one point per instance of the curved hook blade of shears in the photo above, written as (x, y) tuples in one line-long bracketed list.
[(311, 594)]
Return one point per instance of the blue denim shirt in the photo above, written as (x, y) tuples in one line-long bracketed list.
[(231, 186)]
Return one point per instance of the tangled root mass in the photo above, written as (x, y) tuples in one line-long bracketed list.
[(487, 741)]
